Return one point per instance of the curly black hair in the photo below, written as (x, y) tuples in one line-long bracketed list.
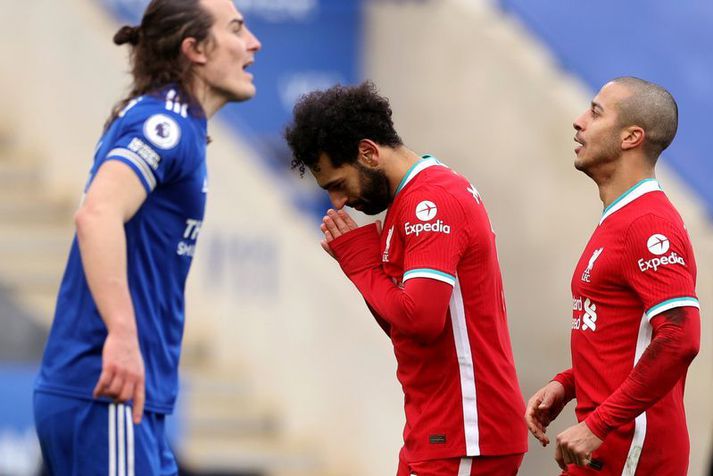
[(335, 120)]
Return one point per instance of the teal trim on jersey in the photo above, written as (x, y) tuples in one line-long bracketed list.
[(411, 172), (429, 156), (673, 303), (627, 193), (441, 274)]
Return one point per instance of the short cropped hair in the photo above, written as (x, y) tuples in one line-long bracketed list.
[(335, 120), (652, 108)]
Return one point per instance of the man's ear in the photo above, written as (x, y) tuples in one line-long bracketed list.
[(369, 153), (632, 137), (194, 50)]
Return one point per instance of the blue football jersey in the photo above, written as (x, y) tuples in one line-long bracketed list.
[(163, 141)]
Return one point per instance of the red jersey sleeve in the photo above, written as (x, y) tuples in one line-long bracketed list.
[(418, 308), (434, 233), (566, 379), (675, 343), (659, 264), (660, 267)]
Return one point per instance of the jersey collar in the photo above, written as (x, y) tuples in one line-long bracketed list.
[(425, 162), (641, 188)]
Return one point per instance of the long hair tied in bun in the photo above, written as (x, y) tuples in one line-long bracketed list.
[(127, 34), (155, 53)]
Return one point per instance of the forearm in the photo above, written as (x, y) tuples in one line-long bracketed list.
[(102, 245), (665, 361), (566, 379), (418, 308), (385, 326)]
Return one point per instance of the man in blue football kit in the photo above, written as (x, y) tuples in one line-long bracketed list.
[(110, 369)]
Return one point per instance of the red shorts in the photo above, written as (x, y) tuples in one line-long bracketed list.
[(506, 465)]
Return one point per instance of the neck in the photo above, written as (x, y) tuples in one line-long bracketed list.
[(624, 175), (207, 98), (396, 167)]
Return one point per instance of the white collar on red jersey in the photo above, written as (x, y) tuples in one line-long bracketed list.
[(425, 162), (641, 188)]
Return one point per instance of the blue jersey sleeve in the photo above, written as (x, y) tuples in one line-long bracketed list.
[(154, 142)]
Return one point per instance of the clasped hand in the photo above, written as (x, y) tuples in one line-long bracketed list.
[(335, 224)]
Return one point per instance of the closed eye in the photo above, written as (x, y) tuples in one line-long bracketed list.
[(237, 25)]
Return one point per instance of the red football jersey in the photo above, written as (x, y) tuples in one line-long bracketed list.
[(637, 264), (462, 396)]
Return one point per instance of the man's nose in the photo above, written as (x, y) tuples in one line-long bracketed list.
[(578, 123), (338, 199)]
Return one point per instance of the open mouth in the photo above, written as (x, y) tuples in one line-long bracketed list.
[(580, 144)]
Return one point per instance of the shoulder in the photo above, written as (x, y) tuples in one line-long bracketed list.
[(428, 201), (163, 122), (650, 205), (654, 209), (656, 232), (449, 186)]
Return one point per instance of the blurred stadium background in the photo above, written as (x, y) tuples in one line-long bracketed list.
[(284, 372)]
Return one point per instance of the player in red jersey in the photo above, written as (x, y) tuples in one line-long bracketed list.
[(431, 278), (635, 323)]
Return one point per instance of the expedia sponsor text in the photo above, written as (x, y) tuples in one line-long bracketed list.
[(655, 263), (436, 227)]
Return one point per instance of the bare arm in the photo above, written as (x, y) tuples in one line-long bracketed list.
[(113, 198)]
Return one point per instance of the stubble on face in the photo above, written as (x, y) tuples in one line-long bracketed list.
[(599, 152), (600, 134)]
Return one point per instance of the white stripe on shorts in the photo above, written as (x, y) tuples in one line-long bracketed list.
[(129, 442), (122, 442), (112, 439), (465, 465)]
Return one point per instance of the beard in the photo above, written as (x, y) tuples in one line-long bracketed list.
[(607, 151), (375, 196)]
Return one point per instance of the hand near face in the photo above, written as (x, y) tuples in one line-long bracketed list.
[(335, 224), (575, 446)]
